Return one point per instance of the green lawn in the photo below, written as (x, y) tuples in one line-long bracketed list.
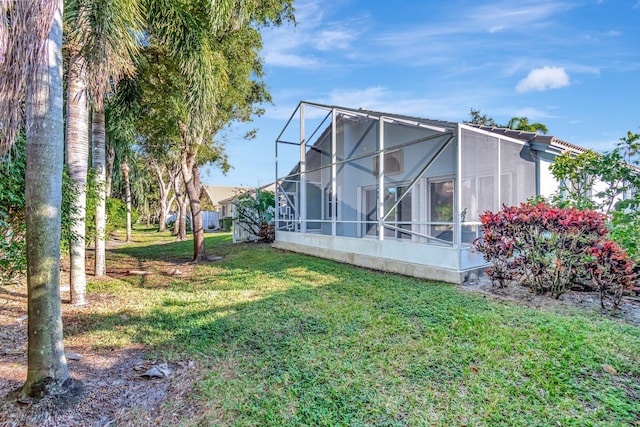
[(292, 340)]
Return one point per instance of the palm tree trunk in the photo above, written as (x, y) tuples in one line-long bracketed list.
[(77, 162), (98, 154), (110, 161), (127, 195), (47, 371)]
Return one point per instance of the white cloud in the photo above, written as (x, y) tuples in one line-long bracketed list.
[(334, 39), (491, 18), (315, 32), (543, 79), (283, 59)]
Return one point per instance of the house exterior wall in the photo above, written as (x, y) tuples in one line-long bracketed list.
[(548, 185), (423, 261)]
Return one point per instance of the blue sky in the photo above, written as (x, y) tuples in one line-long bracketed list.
[(572, 65)]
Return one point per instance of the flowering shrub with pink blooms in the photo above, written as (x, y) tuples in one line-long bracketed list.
[(551, 249)]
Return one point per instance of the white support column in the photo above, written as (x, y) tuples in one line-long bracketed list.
[(302, 209), (334, 170), (457, 235), (380, 178), (277, 191), (499, 178)]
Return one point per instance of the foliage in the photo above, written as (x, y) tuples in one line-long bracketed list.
[(515, 123), (106, 34), (12, 215), (93, 196), (477, 118), (70, 192), (13, 252), (117, 215), (605, 182), (610, 269), (549, 249), (255, 214), (522, 123)]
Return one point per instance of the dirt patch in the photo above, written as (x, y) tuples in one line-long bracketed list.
[(627, 311), (114, 390), (115, 393)]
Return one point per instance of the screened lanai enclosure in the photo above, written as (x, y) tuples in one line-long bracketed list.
[(392, 192)]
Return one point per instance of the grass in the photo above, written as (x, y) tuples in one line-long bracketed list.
[(292, 340)]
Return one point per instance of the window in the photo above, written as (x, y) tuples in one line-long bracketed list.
[(441, 209), (392, 163), (397, 218)]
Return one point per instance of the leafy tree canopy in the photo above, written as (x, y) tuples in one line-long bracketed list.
[(515, 123)]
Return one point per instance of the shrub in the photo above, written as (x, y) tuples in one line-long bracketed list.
[(256, 214), (550, 249), (13, 251), (611, 270), (117, 214), (13, 261), (227, 222)]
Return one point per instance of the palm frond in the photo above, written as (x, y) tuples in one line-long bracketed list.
[(24, 27), (107, 34)]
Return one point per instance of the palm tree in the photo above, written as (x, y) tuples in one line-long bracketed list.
[(104, 40), (127, 188), (31, 46), (98, 160), (77, 162), (522, 123)]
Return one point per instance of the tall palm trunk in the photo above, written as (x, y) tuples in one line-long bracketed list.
[(47, 371), (98, 157), (110, 161), (127, 195), (77, 162)]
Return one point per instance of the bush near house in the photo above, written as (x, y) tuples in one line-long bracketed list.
[(552, 249), (227, 222), (256, 212)]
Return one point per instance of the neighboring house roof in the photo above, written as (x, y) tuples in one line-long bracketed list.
[(212, 196), (269, 187)]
